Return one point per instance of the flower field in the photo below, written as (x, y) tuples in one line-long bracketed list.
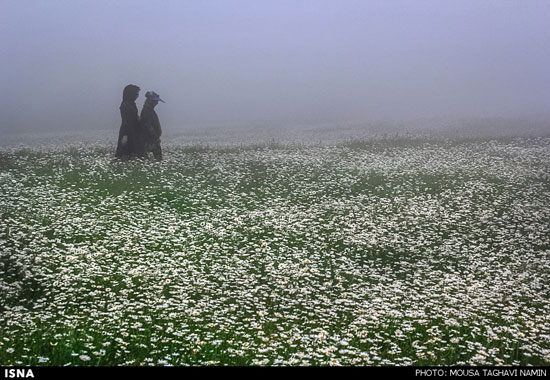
[(363, 252)]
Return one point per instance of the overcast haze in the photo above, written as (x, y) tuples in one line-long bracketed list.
[(65, 63)]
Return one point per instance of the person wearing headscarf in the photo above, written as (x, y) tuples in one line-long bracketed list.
[(150, 125), (129, 144)]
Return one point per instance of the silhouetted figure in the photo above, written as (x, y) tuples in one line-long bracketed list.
[(150, 125), (129, 142)]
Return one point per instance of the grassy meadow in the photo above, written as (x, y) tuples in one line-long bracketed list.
[(383, 251)]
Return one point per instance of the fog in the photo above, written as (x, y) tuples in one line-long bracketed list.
[(274, 63)]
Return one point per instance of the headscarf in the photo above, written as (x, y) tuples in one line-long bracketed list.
[(129, 93)]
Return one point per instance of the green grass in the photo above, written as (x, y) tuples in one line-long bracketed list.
[(375, 252)]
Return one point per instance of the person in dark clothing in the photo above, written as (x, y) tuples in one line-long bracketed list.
[(129, 143), (150, 125)]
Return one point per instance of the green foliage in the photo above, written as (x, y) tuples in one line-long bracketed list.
[(401, 251)]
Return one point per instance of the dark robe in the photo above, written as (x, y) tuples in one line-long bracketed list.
[(150, 127), (129, 128)]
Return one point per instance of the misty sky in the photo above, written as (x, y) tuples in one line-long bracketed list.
[(65, 63)]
